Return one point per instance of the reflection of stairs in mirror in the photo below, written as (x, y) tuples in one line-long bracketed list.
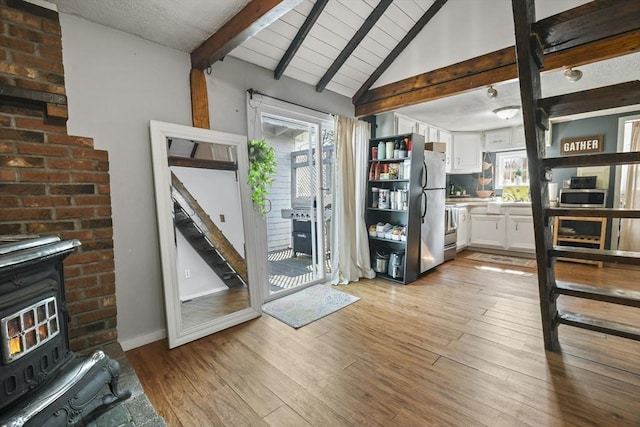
[(206, 238), (205, 248)]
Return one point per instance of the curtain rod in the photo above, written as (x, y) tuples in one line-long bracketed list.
[(252, 92)]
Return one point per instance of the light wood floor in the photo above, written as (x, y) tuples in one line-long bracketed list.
[(460, 347)]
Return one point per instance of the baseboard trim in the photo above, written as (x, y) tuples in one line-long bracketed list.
[(139, 341)]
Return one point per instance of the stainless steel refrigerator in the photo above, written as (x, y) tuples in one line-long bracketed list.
[(433, 199)]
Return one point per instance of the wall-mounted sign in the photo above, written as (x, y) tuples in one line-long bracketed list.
[(582, 145)]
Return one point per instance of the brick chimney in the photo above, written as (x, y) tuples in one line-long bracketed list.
[(52, 183)]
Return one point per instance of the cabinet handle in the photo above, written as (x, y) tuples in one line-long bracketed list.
[(517, 226), (496, 225)]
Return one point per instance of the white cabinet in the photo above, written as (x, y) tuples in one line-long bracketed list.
[(488, 230), (463, 228), (520, 235), (504, 139), (445, 137), (466, 152), (405, 125)]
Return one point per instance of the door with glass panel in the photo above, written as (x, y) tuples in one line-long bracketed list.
[(299, 202)]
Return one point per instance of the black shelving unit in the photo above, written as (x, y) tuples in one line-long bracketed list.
[(409, 217)]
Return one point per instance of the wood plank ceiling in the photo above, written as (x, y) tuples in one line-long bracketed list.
[(346, 45)]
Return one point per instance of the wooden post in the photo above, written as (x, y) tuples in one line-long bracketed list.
[(199, 99)]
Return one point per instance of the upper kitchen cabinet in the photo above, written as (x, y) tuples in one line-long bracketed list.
[(504, 139), (466, 152)]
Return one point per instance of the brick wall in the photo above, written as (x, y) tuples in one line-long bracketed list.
[(52, 183)]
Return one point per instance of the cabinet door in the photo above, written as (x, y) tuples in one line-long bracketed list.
[(497, 139), (520, 234), (446, 138), (467, 152), (463, 228), (405, 125), (488, 230)]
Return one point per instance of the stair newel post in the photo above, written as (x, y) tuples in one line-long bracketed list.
[(529, 55)]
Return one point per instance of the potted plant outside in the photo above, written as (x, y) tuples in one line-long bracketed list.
[(262, 166)]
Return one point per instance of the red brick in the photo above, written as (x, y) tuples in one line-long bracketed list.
[(80, 282), (54, 78), (21, 135), (95, 177), (97, 268), (75, 294), (104, 189), (44, 176), (17, 44), (49, 227), (20, 17), (94, 223), (6, 147), (11, 228), (89, 154), (42, 150), (108, 278), (38, 63), (102, 337), (21, 161), (83, 257), (17, 70), (109, 301), (45, 201), (102, 211), (70, 164), (93, 316), (99, 291), (71, 270), (7, 175), (92, 200), (101, 245), (5, 121), (70, 140), (74, 212), (14, 189), (51, 27), (3, 55), (25, 34), (43, 87), (103, 233), (26, 214), (83, 235), (36, 124), (50, 40), (9, 202), (71, 189), (83, 306), (50, 52), (30, 110)]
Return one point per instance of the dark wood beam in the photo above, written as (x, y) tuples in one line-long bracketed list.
[(202, 163), (589, 22), (478, 72), (255, 16), (316, 10), (413, 32), (364, 29), (54, 105), (602, 98)]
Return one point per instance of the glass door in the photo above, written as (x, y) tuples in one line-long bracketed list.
[(298, 220)]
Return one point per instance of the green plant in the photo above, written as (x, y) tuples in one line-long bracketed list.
[(518, 172), (262, 165)]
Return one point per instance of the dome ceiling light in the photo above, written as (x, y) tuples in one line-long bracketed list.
[(492, 93), (573, 75), (507, 112)]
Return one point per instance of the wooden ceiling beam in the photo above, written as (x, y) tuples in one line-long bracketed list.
[(413, 32), (587, 23), (478, 72), (255, 16), (602, 98), (316, 10), (362, 32)]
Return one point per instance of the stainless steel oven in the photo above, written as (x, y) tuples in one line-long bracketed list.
[(583, 197), (450, 231)]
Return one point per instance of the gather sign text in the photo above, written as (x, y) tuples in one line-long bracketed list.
[(582, 145)]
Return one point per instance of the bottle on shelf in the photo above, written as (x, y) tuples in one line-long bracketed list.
[(396, 149), (402, 150), (389, 149), (381, 150)]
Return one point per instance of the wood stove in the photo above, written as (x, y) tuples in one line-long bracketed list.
[(41, 381)]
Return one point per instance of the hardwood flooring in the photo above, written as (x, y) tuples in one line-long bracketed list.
[(462, 346)]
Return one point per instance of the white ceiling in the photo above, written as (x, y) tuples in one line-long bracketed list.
[(462, 29)]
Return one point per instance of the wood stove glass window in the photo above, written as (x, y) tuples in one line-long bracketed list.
[(26, 330)]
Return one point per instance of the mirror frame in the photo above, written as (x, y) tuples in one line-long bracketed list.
[(160, 131)]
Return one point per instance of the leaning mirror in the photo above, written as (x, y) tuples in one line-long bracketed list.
[(204, 213)]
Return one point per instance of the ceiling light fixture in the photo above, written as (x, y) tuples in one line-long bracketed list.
[(491, 92), (507, 112), (573, 75)]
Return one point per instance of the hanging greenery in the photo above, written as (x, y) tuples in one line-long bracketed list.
[(262, 165)]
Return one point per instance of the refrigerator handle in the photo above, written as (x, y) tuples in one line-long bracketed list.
[(425, 174), (424, 206)]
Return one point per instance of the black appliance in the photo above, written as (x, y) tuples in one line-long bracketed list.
[(583, 197), (583, 182)]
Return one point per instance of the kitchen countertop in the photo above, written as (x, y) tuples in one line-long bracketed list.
[(477, 201)]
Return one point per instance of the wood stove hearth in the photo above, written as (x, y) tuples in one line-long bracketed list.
[(41, 381)]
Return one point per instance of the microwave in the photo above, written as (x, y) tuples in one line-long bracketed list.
[(583, 197)]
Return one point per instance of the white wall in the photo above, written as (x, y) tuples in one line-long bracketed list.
[(115, 84)]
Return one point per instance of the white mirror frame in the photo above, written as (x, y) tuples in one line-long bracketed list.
[(160, 131)]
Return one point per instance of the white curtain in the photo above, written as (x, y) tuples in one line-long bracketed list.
[(350, 259), (630, 227)]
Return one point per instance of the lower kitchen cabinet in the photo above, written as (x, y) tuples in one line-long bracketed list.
[(520, 233), (488, 230), (463, 228)]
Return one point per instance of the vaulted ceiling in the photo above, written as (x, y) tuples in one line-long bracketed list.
[(349, 46)]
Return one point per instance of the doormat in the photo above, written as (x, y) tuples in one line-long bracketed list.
[(308, 305), (501, 259)]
